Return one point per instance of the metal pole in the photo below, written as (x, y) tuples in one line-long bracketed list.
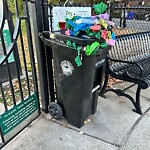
[(41, 57), (110, 10), (92, 5), (124, 15), (49, 56), (51, 17)]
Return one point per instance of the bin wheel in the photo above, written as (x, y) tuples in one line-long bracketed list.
[(55, 110)]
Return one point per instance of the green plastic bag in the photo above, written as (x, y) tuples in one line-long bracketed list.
[(89, 32), (100, 8), (98, 34), (92, 49), (103, 45), (78, 59)]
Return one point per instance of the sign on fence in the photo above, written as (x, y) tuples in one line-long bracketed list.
[(61, 13), (15, 119)]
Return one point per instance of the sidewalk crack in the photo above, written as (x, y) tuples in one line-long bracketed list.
[(111, 143), (126, 138)]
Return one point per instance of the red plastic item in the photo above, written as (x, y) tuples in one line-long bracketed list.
[(62, 25), (104, 34)]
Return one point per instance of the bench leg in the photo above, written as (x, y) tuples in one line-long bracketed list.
[(103, 91), (136, 102)]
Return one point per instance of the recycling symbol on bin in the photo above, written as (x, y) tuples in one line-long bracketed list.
[(67, 68)]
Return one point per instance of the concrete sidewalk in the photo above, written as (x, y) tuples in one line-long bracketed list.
[(113, 127)]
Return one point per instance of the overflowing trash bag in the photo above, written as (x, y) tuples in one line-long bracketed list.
[(98, 27)]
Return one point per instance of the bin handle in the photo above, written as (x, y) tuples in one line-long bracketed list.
[(48, 41)]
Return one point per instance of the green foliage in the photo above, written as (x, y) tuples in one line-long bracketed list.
[(12, 8)]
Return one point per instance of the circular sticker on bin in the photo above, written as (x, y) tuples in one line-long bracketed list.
[(67, 68)]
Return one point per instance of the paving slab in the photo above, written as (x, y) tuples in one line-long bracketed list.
[(44, 134), (140, 137), (113, 119)]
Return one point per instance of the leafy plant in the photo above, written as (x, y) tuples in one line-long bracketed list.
[(12, 7)]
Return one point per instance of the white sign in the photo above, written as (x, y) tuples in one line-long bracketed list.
[(61, 13)]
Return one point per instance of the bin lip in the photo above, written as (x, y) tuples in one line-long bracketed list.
[(60, 35), (51, 42), (104, 50), (49, 39)]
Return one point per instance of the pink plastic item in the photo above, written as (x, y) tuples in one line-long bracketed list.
[(110, 23), (67, 32), (110, 42), (95, 28)]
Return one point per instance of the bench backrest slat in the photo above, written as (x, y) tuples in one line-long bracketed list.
[(131, 47)]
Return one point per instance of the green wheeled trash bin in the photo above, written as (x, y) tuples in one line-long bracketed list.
[(77, 88)]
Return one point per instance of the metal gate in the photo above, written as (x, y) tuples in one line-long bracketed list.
[(19, 97)]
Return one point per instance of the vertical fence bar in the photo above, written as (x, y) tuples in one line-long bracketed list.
[(31, 51), (92, 7), (51, 16), (124, 15), (17, 9), (48, 53), (45, 14), (110, 11), (42, 59)]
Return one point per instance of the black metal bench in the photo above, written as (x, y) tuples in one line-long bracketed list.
[(129, 60)]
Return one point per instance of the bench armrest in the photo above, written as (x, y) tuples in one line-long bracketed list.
[(128, 62)]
